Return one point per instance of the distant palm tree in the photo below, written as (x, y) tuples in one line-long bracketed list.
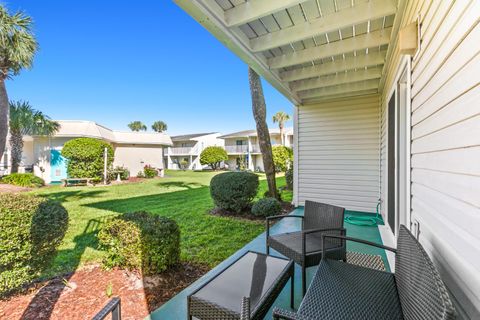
[(259, 109), (17, 49), (281, 117), (26, 121), (159, 126), (137, 126)]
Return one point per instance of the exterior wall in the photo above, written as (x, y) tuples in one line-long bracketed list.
[(197, 146), (338, 153), (135, 157), (445, 148)]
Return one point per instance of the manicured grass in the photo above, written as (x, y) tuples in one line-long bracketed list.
[(183, 196)]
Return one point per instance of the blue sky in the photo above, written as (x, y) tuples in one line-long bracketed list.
[(117, 61)]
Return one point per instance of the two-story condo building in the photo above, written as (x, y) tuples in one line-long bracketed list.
[(186, 150), (243, 147)]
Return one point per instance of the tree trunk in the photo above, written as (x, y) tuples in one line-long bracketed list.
[(282, 140), (259, 113), (4, 110), (16, 145)]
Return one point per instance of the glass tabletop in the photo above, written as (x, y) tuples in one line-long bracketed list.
[(250, 276)]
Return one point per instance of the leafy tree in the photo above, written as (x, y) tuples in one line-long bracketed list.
[(159, 126), (213, 156), (259, 113), (24, 120), (17, 49), (137, 126), (282, 158), (86, 157), (281, 117)]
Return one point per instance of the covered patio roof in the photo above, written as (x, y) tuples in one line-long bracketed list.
[(310, 50)]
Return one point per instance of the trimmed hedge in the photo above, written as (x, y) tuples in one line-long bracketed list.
[(28, 180), (213, 156), (234, 191), (267, 207), (289, 177), (140, 241), (86, 157), (31, 228)]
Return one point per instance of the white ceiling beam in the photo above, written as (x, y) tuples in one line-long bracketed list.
[(367, 40), (341, 78), (371, 59), (340, 96), (333, 22), (340, 89), (256, 9)]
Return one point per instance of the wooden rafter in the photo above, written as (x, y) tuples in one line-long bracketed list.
[(371, 59), (329, 23), (256, 9), (367, 40), (340, 89)]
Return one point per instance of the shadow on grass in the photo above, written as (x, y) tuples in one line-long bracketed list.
[(63, 196), (180, 184), (48, 295)]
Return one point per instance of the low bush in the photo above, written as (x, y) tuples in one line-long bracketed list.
[(86, 157), (234, 191), (23, 180), (31, 228), (282, 157), (140, 241), (149, 172), (266, 207), (289, 177)]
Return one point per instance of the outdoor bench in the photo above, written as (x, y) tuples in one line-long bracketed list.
[(70, 182), (341, 290)]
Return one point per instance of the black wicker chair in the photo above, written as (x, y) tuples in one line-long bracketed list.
[(305, 246), (343, 291)]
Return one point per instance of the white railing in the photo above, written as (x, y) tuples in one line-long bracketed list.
[(179, 150), (236, 149)]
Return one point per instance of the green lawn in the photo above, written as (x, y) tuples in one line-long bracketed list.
[(183, 196)]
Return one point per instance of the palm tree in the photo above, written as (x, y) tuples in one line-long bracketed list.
[(281, 117), (159, 126), (17, 49), (137, 126), (260, 113), (26, 121)]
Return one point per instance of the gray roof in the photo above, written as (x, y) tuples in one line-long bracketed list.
[(190, 136)]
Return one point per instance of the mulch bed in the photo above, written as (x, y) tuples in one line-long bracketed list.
[(287, 207), (80, 295)]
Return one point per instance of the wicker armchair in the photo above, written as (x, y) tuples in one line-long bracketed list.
[(305, 246), (343, 291)]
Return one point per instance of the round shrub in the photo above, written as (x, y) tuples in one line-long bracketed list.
[(282, 157), (234, 191), (289, 178), (213, 156), (23, 180), (31, 228), (140, 241), (266, 207), (149, 172), (86, 157)]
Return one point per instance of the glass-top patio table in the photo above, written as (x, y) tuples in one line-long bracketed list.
[(246, 289)]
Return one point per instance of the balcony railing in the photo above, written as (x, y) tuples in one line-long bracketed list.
[(236, 149), (180, 151)]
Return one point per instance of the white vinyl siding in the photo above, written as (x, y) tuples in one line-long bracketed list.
[(445, 146), (338, 153)]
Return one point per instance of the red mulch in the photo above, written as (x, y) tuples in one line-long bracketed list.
[(86, 293)]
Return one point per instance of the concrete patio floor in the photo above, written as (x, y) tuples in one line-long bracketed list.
[(176, 308)]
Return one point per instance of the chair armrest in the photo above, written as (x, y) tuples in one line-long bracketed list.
[(356, 240), (288, 315), (268, 219), (304, 234)]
